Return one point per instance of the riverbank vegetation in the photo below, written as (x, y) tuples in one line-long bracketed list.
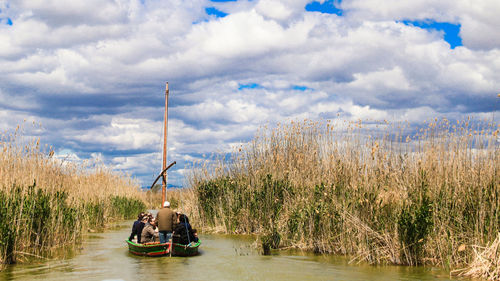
[(379, 192), (486, 263), (47, 202), (181, 199)]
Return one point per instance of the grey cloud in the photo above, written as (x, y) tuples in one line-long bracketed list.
[(98, 86)]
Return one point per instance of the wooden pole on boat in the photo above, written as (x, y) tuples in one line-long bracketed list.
[(165, 130)]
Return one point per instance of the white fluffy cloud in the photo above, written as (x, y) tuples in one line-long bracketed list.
[(478, 19), (93, 72), (123, 134)]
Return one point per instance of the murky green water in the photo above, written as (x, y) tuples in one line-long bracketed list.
[(104, 256)]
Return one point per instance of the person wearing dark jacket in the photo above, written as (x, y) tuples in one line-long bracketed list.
[(183, 233), (137, 228)]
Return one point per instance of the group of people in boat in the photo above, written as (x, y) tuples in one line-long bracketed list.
[(167, 226)]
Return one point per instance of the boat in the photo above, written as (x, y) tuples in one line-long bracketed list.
[(156, 249), (150, 249), (189, 250)]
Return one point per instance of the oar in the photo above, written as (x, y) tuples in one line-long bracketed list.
[(171, 248), (162, 173)]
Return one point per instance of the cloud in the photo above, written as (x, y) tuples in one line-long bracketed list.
[(75, 12), (123, 133), (93, 72), (477, 19)]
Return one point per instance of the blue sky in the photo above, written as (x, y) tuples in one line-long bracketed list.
[(327, 7), (450, 31), (93, 72)]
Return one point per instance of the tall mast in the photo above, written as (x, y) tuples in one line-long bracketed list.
[(165, 130)]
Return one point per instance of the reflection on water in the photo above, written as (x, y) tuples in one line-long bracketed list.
[(104, 256)]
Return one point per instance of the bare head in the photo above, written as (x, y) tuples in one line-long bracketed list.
[(139, 217)]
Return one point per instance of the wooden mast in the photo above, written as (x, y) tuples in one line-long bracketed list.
[(164, 166)]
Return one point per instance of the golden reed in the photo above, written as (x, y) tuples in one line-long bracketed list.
[(46, 202), (378, 191)]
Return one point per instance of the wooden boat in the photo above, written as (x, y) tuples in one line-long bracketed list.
[(150, 249), (180, 250), (157, 249)]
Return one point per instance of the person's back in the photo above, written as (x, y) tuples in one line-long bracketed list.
[(137, 228), (165, 219), (139, 231), (180, 234), (183, 233)]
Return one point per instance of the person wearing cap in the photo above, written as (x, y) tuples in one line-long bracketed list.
[(166, 219)]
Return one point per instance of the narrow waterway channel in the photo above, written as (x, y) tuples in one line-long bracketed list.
[(104, 256)]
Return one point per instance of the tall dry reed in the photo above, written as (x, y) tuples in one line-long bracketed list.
[(48, 202), (181, 200), (380, 192), (486, 263)]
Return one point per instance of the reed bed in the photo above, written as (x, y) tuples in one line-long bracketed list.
[(181, 200), (486, 264), (380, 192), (48, 202)]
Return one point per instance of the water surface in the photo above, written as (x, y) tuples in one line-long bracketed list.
[(105, 256)]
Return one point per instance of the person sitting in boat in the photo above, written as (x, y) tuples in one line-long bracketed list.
[(155, 226), (195, 235), (137, 228), (183, 233), (166, 219), (148, 233)]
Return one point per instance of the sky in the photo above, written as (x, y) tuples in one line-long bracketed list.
[(92, 73)]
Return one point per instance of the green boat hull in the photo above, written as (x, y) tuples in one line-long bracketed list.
[(153, 250), (157, 250), (186, 250)]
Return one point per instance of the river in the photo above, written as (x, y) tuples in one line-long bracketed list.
[(104, 256)]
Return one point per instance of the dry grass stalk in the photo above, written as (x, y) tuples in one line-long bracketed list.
[(23, 162), (486, 264)]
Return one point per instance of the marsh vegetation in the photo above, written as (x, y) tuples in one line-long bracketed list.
[(376, 191), (47, 202)]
